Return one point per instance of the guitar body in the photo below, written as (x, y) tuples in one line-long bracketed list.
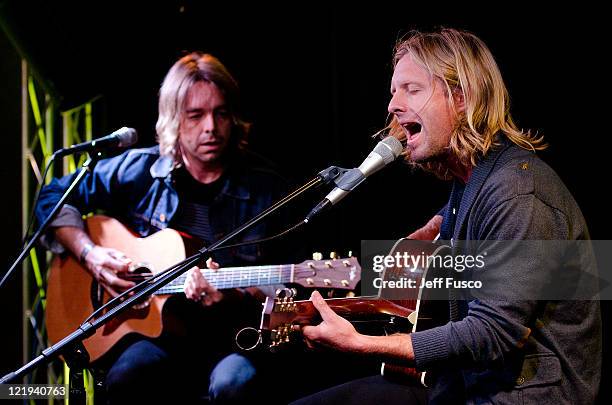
[(429, 306), (72, 294)]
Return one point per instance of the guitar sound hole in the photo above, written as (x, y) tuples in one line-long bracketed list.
[(137, 272)]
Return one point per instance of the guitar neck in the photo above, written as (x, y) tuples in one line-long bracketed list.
[(366, 313), (355, 307), (236, 277)]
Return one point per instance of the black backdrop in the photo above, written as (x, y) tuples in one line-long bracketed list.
[(315, 82)]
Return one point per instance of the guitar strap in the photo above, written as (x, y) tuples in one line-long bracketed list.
[(447, 230)]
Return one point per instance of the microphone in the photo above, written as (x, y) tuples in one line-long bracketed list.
[(123, 137), (385, 152)]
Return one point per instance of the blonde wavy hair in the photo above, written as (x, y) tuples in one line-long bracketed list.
[(188, 70), (464, 63)]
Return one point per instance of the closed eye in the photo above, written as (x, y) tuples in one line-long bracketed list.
[(223, 113)]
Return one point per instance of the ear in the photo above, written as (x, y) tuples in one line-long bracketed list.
[(459, 100)]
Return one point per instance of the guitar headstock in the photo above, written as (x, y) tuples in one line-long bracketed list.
[(331, 273), (281, 314)]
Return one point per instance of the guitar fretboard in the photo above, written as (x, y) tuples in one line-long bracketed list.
[(236, 277)]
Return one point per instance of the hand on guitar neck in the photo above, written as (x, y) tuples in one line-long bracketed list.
[(198, 289), (106, 265), (338, 333)]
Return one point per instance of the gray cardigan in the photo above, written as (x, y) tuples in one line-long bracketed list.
[(483, 357)]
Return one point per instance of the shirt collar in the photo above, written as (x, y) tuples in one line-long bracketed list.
[(236, 183), (162, 167)]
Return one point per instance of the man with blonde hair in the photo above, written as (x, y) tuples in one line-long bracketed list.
[(450, 106), (199, 180)]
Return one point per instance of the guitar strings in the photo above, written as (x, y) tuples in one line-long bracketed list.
[(235, 273)]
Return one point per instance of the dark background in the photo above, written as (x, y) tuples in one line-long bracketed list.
[(315, 81)]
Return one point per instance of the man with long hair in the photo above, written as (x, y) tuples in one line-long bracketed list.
[(199, 180), (450, 106)]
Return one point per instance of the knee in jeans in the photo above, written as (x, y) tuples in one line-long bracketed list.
[(231, 378)]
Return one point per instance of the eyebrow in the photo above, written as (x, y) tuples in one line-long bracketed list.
[(197, 109), (408, 83), (405, 84)]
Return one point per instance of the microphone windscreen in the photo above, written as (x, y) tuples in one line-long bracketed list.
[(127, 136), (389, 149)]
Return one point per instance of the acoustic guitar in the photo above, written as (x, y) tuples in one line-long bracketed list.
[(73, 294), (391, 311)]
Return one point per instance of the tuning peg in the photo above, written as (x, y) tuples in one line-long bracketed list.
[(350, 253), (317, 256), (333, 255), (286, 293)]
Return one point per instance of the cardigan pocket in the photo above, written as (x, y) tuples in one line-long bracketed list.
[(540, 380)]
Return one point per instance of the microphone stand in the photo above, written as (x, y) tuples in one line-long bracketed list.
[(87, 166), (72, 347)]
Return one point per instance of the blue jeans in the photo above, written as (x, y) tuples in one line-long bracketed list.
[(145, 371), (231, 381)]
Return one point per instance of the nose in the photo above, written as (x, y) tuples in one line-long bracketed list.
[(396, 104), (208, 123)]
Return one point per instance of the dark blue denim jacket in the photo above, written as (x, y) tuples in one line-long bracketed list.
[(136, 187)]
